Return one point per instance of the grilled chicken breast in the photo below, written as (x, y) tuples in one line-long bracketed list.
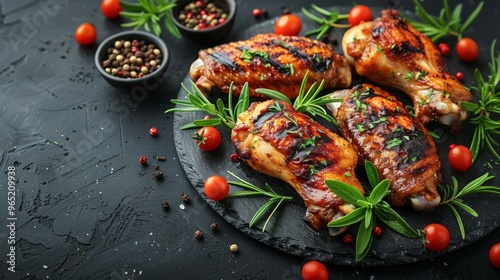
[(383, 132), (391, 52), (270, 61), (274, 139)]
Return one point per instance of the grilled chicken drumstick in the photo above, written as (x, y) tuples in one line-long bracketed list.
[(274, 139), (270, 61), (391, 52), (383, 132)]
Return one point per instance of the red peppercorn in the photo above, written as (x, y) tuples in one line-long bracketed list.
[(207, 117), (143, 160), (451, 146), (257, 13), (348, 239), (377, 231), (234, 157), (444, 48), (153, 131), (459, 76), (199, 3), (222, 20)]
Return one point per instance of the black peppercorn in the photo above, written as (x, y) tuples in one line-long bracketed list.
[(198, 234), (164, 204), (158, 175), (214, 226), (185, 197)]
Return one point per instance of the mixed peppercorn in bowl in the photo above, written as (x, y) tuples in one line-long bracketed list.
[(132, 58)]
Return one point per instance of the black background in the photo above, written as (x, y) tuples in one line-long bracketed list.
[(87, 209)]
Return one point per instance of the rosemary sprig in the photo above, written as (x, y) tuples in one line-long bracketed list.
[(452, 197), (447, 23), (332, 16), (368, 210), (306, 101), (484, 110), (197, 101), (148, 13), (252, 190)]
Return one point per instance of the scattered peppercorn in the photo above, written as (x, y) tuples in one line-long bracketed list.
[(161, 158), (134, 59), (287, 11), (214, 226), (444, 48), (348, 239), (143, 159), (451, 146), (199, 15), (234, 157), (264, 13), (198, 234), (156, 167), (334, 41), (165, 205), (158, 175), (185, 197), (153, 131), (459, 76), (377, 231), (233, 248)]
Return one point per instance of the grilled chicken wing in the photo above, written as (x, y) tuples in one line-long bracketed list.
[(391, 52), (274, 139), (383, 132), (270, 61)]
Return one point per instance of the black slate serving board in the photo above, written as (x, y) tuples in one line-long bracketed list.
[(288, 232)]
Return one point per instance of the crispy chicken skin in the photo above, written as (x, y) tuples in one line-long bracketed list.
[(391, 52), (270, 61), (274, 139), (382, 131)]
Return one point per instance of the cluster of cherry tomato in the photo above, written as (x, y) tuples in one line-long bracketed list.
[(86, 33)]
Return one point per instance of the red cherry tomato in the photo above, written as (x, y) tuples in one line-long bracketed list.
[(437, 237), (460, 158), (208, 138), (314, 270), (111, 8), (288, 24), (495, 255), (216, 187), (358, 14), (467, 49), (85, 34)]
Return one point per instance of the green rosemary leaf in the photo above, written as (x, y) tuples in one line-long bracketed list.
[(323, 11), (272, 213), (208, 122), (460, 223), (379, 192), (354, 217), (346, 192), (242, 193), (262, 210), (171, 27), (273, 94), (471, 17), (372, 173), (130, 7), (465, 207), (392, 219)]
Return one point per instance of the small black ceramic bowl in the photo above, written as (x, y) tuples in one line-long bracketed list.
[(207, 35), (147, 80)]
